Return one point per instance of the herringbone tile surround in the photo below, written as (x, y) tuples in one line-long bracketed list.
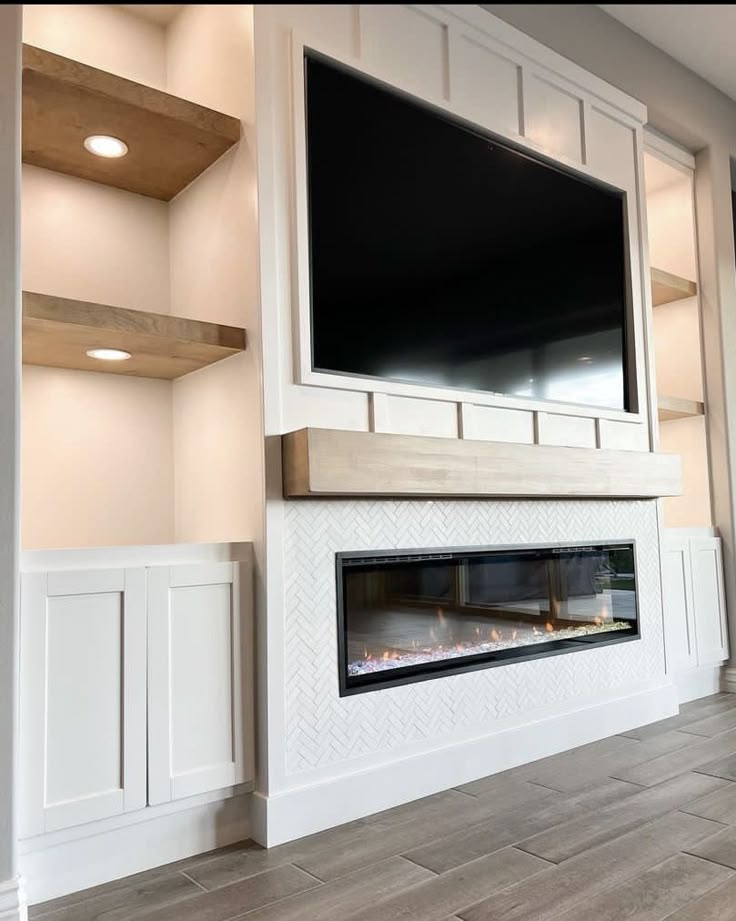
[(326, 731), (639, 827)]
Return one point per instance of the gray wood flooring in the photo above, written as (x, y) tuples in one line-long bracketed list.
[(641, 826)]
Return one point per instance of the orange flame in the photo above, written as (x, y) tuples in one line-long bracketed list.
[(549, 628)]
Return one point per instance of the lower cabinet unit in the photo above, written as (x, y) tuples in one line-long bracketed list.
[(136, 682), (693, 601)]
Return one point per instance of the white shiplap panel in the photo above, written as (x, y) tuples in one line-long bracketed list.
[(610, 149), (552, 118), (408, 416), (484, 86), (622, 436), (408, 44), (488, 423), (568, 431)]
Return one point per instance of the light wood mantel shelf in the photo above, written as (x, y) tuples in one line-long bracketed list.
[(327, 462), (170, 140), (57, 333)]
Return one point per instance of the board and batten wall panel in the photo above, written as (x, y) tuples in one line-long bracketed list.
[(567, 431), (408, 416), (470, 64)]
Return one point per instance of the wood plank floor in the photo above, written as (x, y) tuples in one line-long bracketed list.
[(640, 826)]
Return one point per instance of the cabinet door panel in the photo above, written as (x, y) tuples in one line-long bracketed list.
[(677, 604), (709, 600), (199, 690), (82, 697)]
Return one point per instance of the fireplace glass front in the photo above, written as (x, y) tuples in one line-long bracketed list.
[(410, 616)]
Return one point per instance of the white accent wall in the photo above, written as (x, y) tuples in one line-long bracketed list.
[(326, 759)]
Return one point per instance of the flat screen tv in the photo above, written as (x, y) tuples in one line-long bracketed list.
[(440, 255)]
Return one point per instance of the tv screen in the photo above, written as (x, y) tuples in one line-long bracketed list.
[(440, 255)]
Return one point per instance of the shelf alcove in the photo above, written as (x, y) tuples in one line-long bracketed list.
[(152, 253), (676, 333)]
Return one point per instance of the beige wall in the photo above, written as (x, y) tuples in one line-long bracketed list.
[(218, 429), (99, 34), (87, 241), (97, 459)]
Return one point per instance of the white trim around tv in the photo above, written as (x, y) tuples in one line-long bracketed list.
[(638, 295)]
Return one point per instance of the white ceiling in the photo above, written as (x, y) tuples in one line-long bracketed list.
[(700, 36), (160, 13)]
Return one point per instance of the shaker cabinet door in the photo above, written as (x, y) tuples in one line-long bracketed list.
[(677, 604), (82, 697), (200, 723), (709, 600)]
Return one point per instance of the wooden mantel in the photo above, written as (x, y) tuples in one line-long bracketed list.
[(328, 462)]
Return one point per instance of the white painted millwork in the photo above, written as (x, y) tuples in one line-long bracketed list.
[(473, 66), (200, 661), (83, 708), (694, 607), (136, 681)]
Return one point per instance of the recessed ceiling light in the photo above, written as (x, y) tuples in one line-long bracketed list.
[(103, 145), (108, 354)]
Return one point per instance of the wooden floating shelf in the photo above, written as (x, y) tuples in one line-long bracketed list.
[(667, 287), (57, 333), (170, 140), (669, 408), (326, 462)]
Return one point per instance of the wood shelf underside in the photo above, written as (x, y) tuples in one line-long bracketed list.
[(170, 140), (670, 408), (57, 333), (667, 287), (327, 462)]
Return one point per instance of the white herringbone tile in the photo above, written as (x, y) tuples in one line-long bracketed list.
[(324, 729)]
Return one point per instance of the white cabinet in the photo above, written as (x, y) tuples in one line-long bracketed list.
[(83, 697), (693, 601), (197, 699), (136, 684)]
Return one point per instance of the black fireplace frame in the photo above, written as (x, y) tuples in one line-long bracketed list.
[(456, 666)]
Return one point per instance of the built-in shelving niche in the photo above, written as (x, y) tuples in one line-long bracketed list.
[(64, 102)]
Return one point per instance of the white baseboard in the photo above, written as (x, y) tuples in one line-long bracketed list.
[(51, 867), (700, 682), (728, 679), (12, 901), (282, 817)]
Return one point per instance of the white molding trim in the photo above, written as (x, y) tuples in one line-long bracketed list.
[(311, 808), (662, 147), (13, 905), (55, 867), (699, 682)]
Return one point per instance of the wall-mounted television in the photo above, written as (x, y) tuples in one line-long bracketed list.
[(443, 256)]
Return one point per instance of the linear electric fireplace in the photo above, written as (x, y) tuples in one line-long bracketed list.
[(409, 616)]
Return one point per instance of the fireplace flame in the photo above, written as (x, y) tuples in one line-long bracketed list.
[(441, 616), (549, 628)]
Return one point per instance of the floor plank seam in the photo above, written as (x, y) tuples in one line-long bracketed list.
[(314, 876), (429, 869), (191, 880)]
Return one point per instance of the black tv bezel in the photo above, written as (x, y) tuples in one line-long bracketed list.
[(350, 685), (631, 390)]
